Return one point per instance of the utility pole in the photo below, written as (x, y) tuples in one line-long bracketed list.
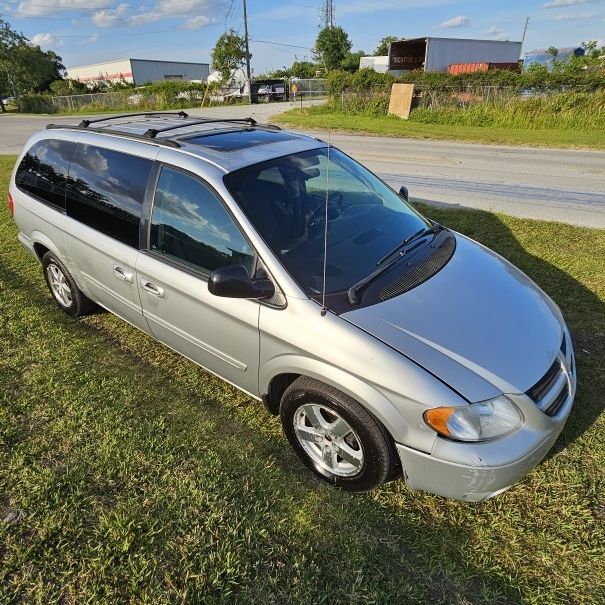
[(248, 75)]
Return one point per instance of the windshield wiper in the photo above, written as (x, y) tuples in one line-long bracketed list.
[(419, 234), (403, 248)]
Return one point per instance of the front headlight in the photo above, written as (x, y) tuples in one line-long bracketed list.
[(475, 422)]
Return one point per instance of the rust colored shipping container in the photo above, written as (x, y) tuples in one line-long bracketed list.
[(466, 68)]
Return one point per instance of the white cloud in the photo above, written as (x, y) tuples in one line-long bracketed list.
[(574, 16), (202, 13), (108, 18), (561, 3), (197, 22), (459, 21), (37, 8), (497, 33), (47, 41)]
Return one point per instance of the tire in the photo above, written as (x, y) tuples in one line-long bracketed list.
[(350, 449), (65, 292)]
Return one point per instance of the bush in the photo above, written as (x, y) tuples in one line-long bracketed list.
[(35, 104), (570, 110)]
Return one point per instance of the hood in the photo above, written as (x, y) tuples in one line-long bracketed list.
[(479, 324)]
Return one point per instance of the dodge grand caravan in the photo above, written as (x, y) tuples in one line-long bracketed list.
[(389, 345)]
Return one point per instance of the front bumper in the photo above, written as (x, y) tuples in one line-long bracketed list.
[(465, 482)]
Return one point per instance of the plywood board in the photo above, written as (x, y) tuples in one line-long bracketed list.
[(400, 103)]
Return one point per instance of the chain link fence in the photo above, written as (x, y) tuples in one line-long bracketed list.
[(376, 101), (298, 89), (311, 88)]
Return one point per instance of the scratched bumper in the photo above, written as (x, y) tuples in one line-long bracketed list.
[(464, 482)]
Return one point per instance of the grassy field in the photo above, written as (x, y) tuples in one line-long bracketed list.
[(326, 118), (128, 475)]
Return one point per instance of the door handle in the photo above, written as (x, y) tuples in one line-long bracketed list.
[(152, 288), (122, 274)]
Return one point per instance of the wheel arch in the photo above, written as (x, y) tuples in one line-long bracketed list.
[(43, 244), (277, 376)]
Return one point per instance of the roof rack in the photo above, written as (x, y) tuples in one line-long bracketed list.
[(116, 133), (153, 132), (149, 136), (180, 114)]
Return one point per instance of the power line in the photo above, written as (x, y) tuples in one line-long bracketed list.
[(94, 8), (279, 44)]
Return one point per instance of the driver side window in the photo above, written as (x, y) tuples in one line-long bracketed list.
[(190, 224)]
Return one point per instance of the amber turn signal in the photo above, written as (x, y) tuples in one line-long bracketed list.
[(437, 419)]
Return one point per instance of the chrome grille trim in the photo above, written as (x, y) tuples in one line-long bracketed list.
[(555, 389), (553, 394)]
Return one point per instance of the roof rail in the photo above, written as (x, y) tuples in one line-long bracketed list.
[(180, 114), (153, 132), (116, 133)]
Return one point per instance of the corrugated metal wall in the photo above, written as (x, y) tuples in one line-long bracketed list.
[(443, 51), (159, 71)]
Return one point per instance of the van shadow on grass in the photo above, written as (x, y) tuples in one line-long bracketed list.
[(314, 542)]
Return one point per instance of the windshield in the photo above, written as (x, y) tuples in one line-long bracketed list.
[(285, 199)]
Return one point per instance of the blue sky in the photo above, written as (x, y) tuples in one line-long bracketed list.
[(90, 31)]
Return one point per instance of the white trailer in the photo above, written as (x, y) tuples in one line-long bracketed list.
[(436, 54)]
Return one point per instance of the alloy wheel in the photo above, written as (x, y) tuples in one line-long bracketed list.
[(328, 440)]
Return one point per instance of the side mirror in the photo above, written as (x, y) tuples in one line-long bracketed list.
[(233, 281), (404, 193)]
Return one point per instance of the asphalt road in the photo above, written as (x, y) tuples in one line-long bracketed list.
[(548, 184)]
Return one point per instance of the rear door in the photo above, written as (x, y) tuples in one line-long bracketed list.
[(191, 233), (105, 193)]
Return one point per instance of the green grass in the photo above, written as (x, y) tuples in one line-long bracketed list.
[(129, 475), (325, 117)]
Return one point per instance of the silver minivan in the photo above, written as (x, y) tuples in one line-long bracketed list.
[(389, 345)]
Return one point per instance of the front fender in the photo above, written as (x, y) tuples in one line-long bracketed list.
[(374, 401)]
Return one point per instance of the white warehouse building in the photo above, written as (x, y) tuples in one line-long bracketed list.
[(140, 71)]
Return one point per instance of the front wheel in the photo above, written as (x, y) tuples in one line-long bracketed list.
[(335, 436)]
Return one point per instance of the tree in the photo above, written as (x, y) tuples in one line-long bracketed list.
[(35, 69), (351, 61), (332, 47), (25, 67), (383, 46), (303, 69), (228, 54)]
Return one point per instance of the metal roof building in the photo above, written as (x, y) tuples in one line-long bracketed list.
[(140, 71)]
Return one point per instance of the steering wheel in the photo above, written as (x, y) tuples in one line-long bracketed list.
[(335, 209)]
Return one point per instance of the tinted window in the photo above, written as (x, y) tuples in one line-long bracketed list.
[(106, 190), (43, 171), (189, 223)]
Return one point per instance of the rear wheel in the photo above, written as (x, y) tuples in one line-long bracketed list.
[(62, 286), (335, 436)]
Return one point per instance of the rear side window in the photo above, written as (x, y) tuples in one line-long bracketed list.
[(106, 190), (43, 171)]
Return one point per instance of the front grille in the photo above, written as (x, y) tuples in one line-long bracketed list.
[(555, 407), (552, 391), (541, 388), (421, 272)]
